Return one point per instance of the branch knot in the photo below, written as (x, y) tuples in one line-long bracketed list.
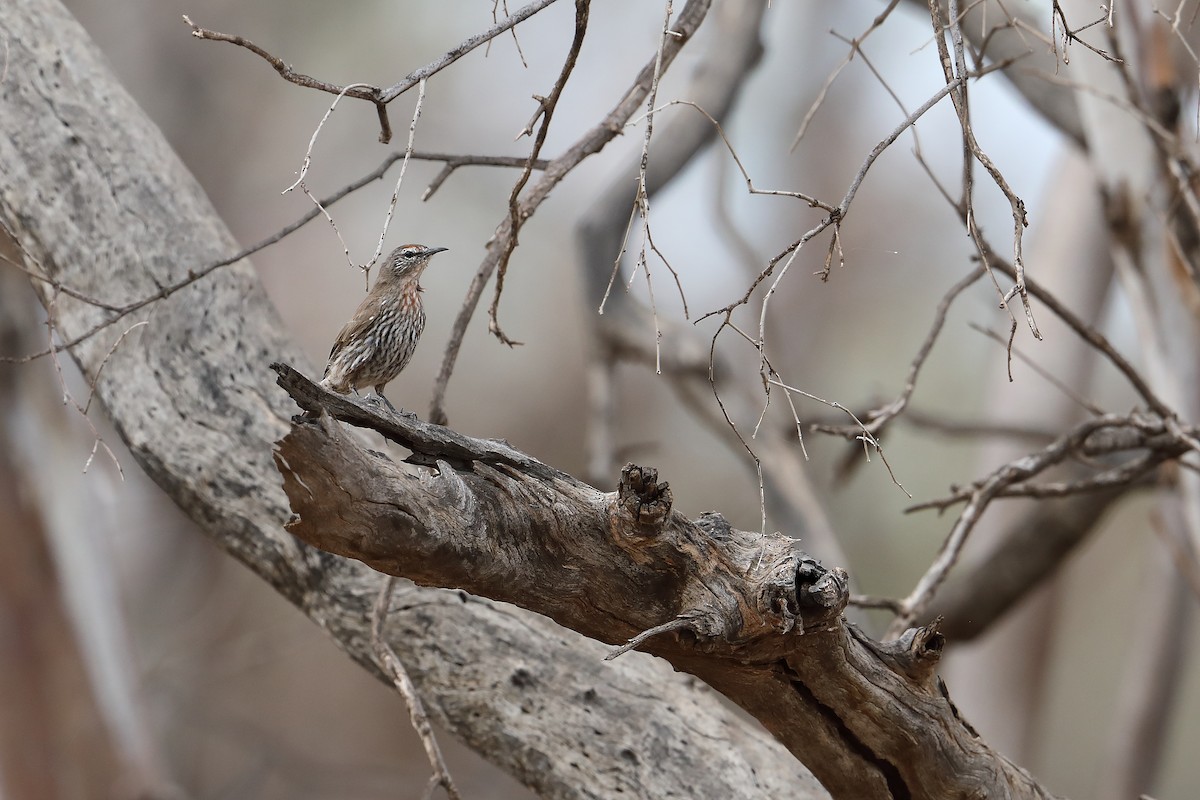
[(639, 493)]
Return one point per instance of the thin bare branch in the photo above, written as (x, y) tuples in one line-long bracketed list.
[(69, 399), (432, 68), (1013, 478), (408, 149), (879, 418), (1016, 352), (453, 162), (372, 94), (641, 200), (865, 435), (1089, 335), (1070, 36), (840, 211), (408, 691), (855, 44), (516, 218), (124, 309), (591, 142)]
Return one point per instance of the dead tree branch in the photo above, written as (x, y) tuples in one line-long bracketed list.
[(752, 616), (592, 142), (1014, 32), (378, 96), (1161, 440), (119, 310), (1033, 548)]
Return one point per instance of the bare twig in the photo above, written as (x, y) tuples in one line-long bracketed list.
[(103, 362), (879, 418), (750, 187), (839, 212), (432, 68), (679, 623), (312, 141), (299, 182), (69, 399), (833, 219), (194, 274), (1090, 335), (390, 663), (870, 601), (1126, 474), (712, 380), (1012, 479), (408, 149), (379, 97), (1071, 36), (865, 436), (591, 142), (495, 21), (122, 310), (641, 200), (956, 66), (412, 129), (939, 423), (1074, 396), (516, 219), (855, 45), (453, 162), (1031, 549)]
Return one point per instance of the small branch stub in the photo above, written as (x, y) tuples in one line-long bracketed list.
[(915, 654), (643, 497)]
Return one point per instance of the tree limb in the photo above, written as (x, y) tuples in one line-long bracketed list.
[(751, 615), (1031, 550)]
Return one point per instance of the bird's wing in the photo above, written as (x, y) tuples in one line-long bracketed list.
[(353, 329)]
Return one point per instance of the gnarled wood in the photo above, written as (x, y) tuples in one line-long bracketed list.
[(751, 615)]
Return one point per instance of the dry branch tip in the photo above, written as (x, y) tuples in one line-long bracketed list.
[(679, 623)]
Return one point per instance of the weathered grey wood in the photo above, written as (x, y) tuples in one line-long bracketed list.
[(753, 616), (95, 194)]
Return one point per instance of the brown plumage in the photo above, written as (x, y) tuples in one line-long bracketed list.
[(378, 341)]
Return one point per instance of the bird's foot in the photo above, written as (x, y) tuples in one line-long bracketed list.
[(379, 398)]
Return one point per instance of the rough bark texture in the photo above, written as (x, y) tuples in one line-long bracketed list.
[(751, 615), (98, 198)]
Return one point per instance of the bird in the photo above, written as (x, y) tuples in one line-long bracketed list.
[(379, 340)]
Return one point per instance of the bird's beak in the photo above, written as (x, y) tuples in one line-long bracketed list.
[(431, 250)]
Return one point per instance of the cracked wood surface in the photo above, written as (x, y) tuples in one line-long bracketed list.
[(753, 616)]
